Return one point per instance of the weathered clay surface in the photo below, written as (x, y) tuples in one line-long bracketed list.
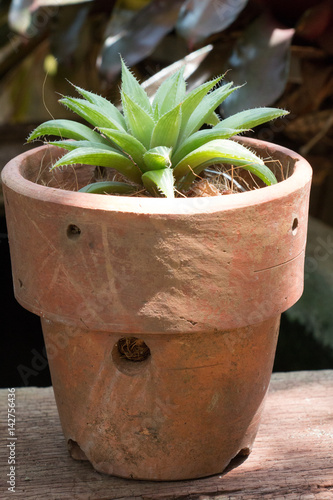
[(185, 412), (197, 264), (201, 281)]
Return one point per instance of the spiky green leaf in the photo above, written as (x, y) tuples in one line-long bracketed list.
[(193, 99), (157, 158), (102, 158), (166, 130), (68, 129), (91, 113), (110, 187), (212, 119), (102, 103), (204, 110), (156, 114), (133, 89), (252, 117), (128, 144), (224, 151), (159, 181), (139, 122), (200, 138), (170, 93), (71, 145)]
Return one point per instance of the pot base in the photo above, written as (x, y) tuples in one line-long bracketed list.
[(183, 412)]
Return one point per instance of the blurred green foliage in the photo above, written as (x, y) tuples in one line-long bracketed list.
[(42, 42)]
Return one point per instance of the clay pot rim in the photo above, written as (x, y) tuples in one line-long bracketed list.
[(12, 176)]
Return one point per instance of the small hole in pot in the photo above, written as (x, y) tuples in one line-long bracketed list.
[(20, 283), (294, 226), (73, 232), (75, 450), (130, 355), (244, 452), (133, 349)]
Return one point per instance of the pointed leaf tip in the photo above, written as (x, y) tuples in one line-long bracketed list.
[(159, 181), (133, 89)]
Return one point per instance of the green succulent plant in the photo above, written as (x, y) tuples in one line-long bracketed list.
[(157, 145)]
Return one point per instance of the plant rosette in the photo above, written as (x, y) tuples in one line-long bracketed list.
[(161, 312), (156, 146)]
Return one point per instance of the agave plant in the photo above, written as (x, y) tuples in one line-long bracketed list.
[(156, 145)]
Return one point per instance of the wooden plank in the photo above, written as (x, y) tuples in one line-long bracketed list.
[(292, 456)]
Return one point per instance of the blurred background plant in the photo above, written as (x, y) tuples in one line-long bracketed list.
[(282, 50)]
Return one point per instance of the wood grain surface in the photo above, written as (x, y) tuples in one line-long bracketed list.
[(292, 456)]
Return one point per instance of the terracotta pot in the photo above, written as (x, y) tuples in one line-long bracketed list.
[(202, 282)]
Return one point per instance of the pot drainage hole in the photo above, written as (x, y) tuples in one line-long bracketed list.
[(133, 349), (131, 355), (73, 232), (75, 450)]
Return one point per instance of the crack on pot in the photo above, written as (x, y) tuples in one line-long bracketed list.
[(193, 323), (195, 367), (281, 264)]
